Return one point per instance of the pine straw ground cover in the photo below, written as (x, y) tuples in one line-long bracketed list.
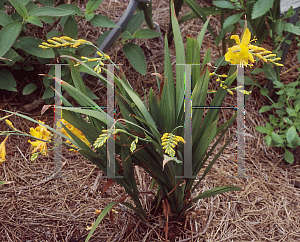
[(35, 208)]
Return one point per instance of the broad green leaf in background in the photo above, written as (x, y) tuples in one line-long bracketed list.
[(5, 18), (102, 37), (48, 3), (20, 8), (50, 11), (288, 156), (29, 88), (136, 57), (93, 5), (34, 20), (225, 4), (71, 7), (135, 22), (101, 21), (24, 2), (89, 16), (8, 35), (292, 28), (264, 91), (53, 33), (262, 129), (269, 72), (276, 138), (146, 34), (291, 134), (7, 81), (126, 35), (233, 19), (265, 109), (12, 57), (261, 7), (71, 28), (30, 45)]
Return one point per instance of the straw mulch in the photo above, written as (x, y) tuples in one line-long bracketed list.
[(37, 207)]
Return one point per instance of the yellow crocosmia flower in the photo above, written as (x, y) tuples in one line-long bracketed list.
[(9, 123), (44, 43), (75, 131), (58, 45), (230, 92), (3, 151), (224, 76), (211, 74), (239, 54), (107, 57), (39, 145)]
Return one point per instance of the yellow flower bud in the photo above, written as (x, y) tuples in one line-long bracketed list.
[(58, 39), (76, 44), (52, 41), (66, 44), (277, 64), (9, 123), (58, 45), (66, 38), (92, 59), (223, 75), (99, 53)]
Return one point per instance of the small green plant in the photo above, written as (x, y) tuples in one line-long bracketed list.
[(284, 126)]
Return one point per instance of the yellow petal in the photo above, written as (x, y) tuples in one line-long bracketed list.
[(246, 37), (9, 123), (2, 150), (236, 38)]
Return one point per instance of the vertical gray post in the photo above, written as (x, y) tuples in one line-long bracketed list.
[(240, 164), (57, 119), (110, 122)]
